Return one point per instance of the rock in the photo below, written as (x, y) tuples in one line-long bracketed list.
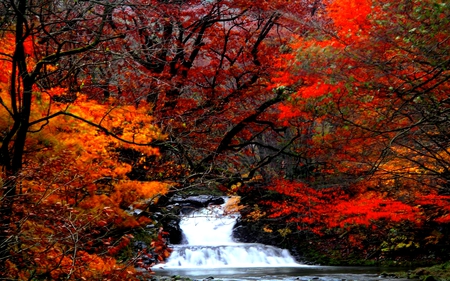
[(386, 275), (198, 201), (172, 278), (422, 271), (175, 233), (140, 245)]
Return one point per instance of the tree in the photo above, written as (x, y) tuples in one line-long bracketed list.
[(204, 67), (415, 83), (369, 81), (72, 216), (44, 46), (372, 107), (400, 78)]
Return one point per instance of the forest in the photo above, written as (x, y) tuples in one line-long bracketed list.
[(329, 118)]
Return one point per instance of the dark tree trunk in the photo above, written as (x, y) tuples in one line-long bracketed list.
[(13, 145)]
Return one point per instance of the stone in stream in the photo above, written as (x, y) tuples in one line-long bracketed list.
[(198, 201)]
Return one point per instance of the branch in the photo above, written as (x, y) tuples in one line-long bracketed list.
[(97, 40), (252, 118), (93, 124), (268, 159)]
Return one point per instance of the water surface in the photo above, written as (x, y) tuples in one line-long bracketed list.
[(304, 273)]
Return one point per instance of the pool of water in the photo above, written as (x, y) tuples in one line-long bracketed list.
[(303, 273)]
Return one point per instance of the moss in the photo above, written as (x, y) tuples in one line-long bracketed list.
[(440, 272)]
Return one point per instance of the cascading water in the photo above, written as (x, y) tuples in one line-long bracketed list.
[(209, 252), (208, 243)]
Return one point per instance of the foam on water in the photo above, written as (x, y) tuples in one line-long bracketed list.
[(208, 243)]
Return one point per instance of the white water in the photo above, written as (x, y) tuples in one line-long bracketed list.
[(209, 244), (209, 250)]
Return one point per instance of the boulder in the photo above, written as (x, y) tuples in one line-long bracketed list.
[(197, 201)]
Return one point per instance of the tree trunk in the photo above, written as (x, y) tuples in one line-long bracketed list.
[(13, 145)]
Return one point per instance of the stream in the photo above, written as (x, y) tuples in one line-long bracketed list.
[(312, 273), (208, 250)]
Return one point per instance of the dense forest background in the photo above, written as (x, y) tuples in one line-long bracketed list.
[(330, 119)]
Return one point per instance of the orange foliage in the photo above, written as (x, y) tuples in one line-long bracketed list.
[(74, 196)]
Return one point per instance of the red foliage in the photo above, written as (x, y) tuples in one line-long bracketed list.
[(437, 207), (319, 210)]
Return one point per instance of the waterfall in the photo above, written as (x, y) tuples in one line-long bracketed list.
[(208, 243)]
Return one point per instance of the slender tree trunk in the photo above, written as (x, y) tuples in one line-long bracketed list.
[(13, 145)]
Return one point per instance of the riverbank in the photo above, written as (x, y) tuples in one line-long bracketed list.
[(439, 272)]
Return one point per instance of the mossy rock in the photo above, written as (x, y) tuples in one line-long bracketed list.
[(439, 272)]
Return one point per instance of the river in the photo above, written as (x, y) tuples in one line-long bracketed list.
[(316, 273)]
